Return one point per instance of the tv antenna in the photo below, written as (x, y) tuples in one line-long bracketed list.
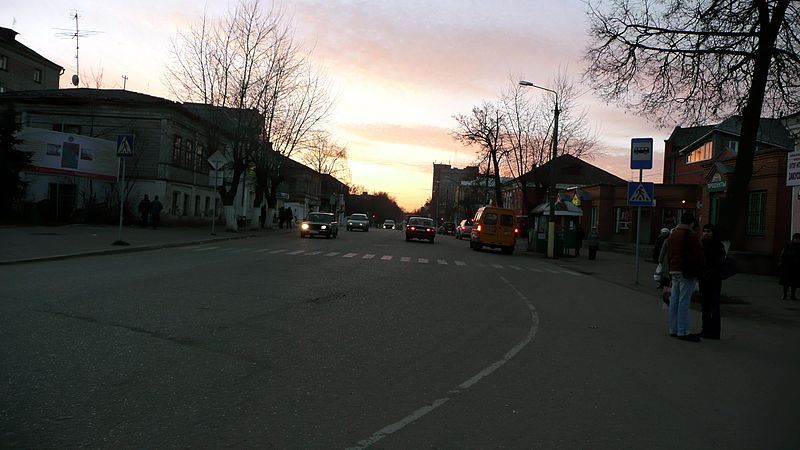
[(77, 34)]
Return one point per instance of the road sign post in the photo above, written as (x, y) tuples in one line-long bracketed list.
[(642, 193), (216, 161), (124, 150)]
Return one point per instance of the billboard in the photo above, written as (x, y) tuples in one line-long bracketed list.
[(69, 154)]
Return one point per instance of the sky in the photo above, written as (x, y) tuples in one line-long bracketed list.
[(399, 70)]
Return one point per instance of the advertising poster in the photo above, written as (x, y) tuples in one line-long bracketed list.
[(69, 154)]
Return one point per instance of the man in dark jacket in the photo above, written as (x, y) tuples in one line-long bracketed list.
[(144, 210), (155, 212), (711, 282), (685, 256)]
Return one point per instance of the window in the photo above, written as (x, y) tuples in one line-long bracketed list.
[(756, 213), (199, 159), (188, 154), (490, 219), (66, 128), (506, 220), (733, 146), (3, 62), (703, 153), (176, 210), (623, 220), (176, 149), (37, 75)]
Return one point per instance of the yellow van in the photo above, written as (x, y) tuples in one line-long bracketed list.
[(495, 228)]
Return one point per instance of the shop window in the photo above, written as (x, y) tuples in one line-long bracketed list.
[(177, 144), (623, 220), (703, 153), (756, 213)]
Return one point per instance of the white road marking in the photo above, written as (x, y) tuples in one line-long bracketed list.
[(442, 262), (205, 249), (497, 266), (368, 256), (552, 271), (460, 263), (481, 265), (241, 250), (332, 253), (572, 273), (419, 413), (515, 267), (533, 269), (386, 257), (296, 252), (278, 251), (312, 253), (422, 260), (262, 250), (405, 259), (348, 255)]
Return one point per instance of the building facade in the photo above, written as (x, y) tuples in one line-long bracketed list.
[(446, 183), (23, 69)]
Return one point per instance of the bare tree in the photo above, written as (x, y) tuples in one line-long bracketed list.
[(698, 60), (483, 128), (324, 155), (528, 127), (221, 64)]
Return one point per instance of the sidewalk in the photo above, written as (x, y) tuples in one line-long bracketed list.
[(755, 297), (41, 243)]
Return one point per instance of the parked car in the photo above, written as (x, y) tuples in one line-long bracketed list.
[(388, 224), (464, 228), (319, 224), (420, 228), (448, 228), (358, 221), (495, 228)]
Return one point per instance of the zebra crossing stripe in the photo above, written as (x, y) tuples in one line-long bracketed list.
[(278, 251), (405, 259), (552, 271), (349, 255), (533, 269), (460, 263), (422, 260), (312, 253), (368, 256), (203, 249), (332, 253), (296, 252), (515, 267), (262, 250), (386, 258), (497, 266), (572, 273), (442, 262)]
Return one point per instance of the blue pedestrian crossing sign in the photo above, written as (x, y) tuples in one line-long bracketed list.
[(640, 194), (124, 145)]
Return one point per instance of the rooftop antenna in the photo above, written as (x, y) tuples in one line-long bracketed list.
[(77, 34)]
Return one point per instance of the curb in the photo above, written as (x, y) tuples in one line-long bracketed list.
[(132, 249)]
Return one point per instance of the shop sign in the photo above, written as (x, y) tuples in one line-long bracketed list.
[(717, 184), (793, 169)]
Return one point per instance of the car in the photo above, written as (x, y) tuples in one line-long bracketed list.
[(358, 221), (319, 224), (388, 224), (420, 228), (495, 228), (448, 228), (464, 228)]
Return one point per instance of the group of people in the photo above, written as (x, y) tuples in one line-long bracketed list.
[(285, 217), (689, 261), (150, 211)]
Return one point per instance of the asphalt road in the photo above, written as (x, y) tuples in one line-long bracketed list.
[(368, 340)]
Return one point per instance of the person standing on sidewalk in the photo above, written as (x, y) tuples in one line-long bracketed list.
[(144, 210), (263, 218), (789, 266), (685, 257), (711, 282), (155, 212)]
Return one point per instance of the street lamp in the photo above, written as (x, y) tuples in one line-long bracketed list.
[(551, 223)]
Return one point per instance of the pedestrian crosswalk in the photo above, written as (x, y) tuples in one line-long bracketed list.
[(386, 258)]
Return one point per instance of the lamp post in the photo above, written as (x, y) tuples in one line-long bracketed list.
[(551, 223)]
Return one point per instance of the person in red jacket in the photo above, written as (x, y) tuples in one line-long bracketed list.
[(686, 261)]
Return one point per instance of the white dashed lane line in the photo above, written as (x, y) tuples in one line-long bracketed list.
[(386, 257), (348, 255), (368, 256), (405, 259), (296, 252), (332, 253)]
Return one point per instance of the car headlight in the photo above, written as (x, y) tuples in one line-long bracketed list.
[(304, 226), (324, 227), (350, 223)]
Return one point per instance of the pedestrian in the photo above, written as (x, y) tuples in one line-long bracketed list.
[(711, 282), (289, 218), (263, 218), (155, 212), (789, 266), (663, 235), (281, 217), (144, 210), (685, 256), (579, 235)]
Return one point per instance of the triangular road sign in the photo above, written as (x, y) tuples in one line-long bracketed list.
[(640, 195)]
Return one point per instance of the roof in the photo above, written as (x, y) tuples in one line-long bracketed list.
[(8, 38), (771, 132), (573, 171), (79, 95), (681, 137)]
